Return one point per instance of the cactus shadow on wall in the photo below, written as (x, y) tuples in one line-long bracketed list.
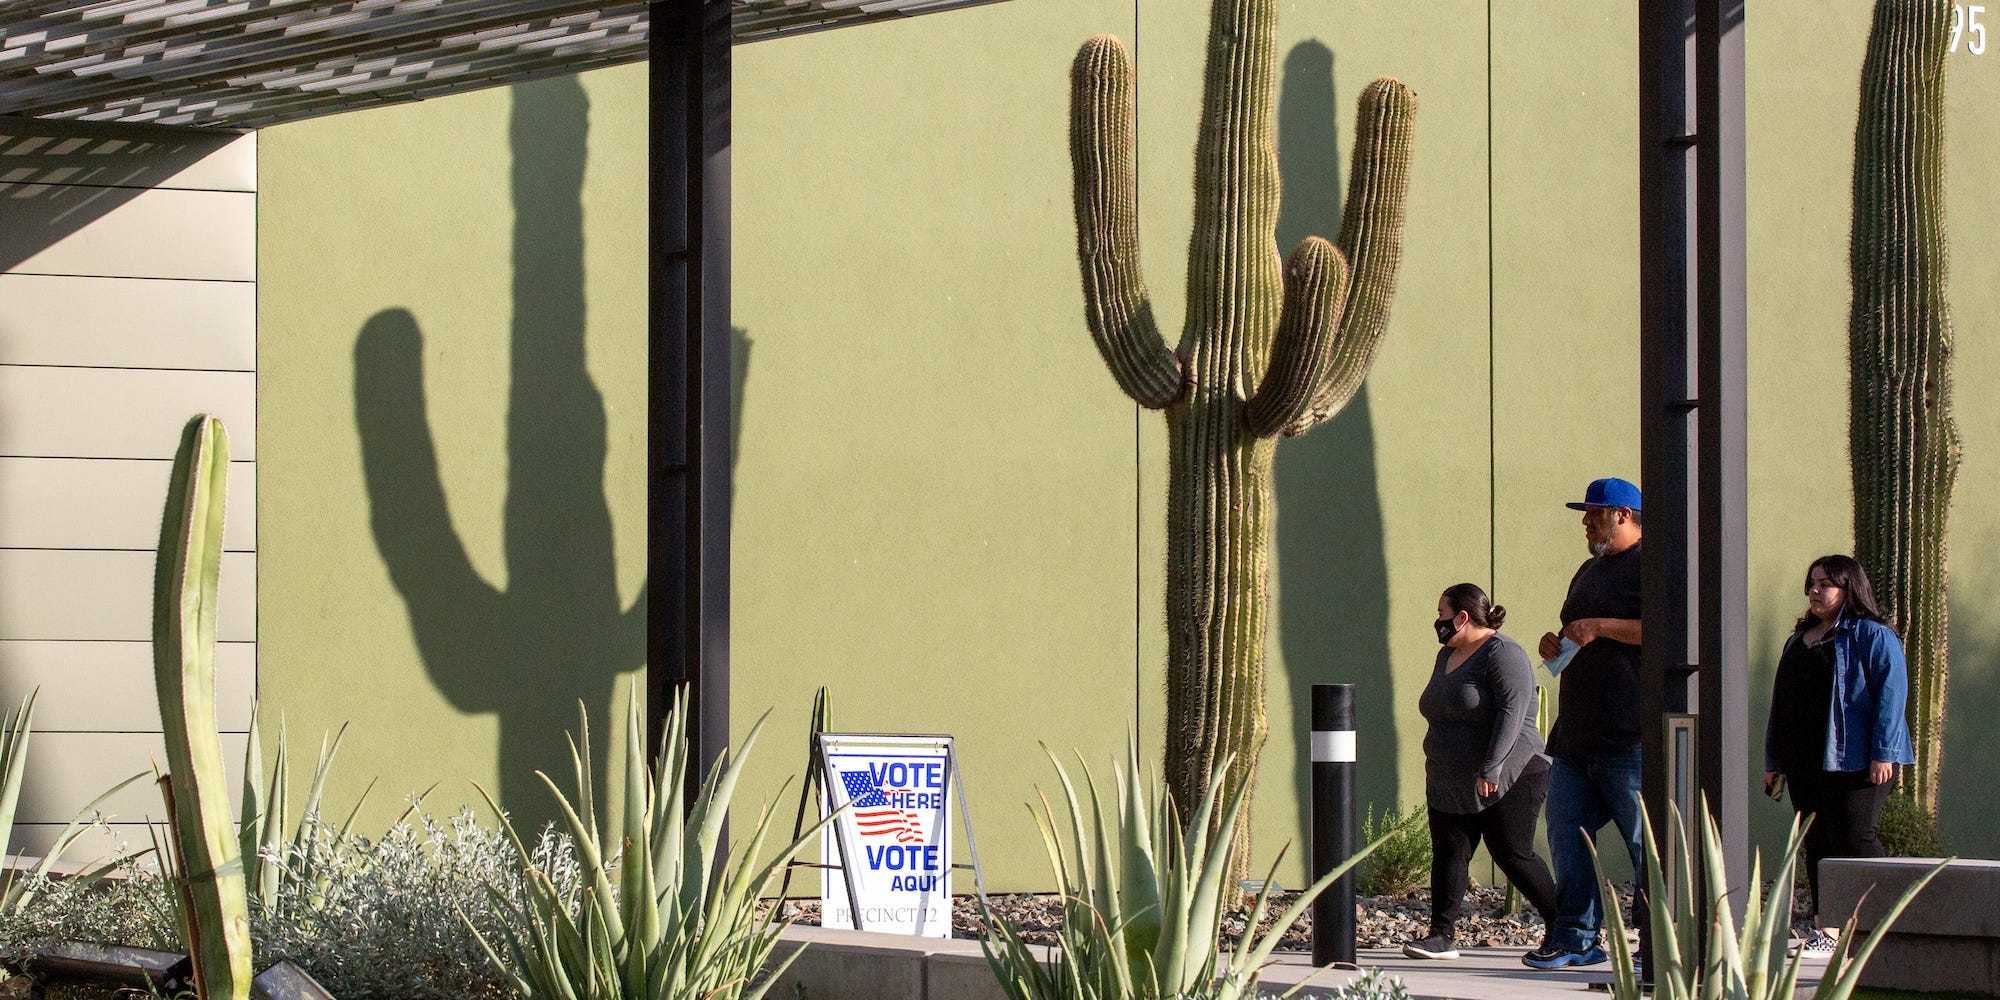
[(558, 633), (1333, 580)]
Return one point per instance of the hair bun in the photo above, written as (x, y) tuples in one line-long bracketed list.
[(1495, 615)]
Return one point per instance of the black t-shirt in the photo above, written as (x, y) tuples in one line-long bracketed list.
[(1599, 704), (1801, 698)]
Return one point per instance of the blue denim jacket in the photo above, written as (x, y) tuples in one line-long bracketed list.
[(1864, 721)]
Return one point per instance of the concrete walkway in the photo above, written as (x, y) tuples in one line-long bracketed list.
[(851, 965), (1478, 974)]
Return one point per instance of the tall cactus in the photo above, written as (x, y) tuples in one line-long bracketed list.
[(1904, 443), (215, 910), (1300, 333)]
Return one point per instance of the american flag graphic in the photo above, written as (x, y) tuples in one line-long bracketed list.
[(873, 815)]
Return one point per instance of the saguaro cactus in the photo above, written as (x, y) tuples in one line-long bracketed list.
[(1268, 348), (1904, 443), (189, 564)]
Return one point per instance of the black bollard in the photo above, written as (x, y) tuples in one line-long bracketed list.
[(1333, 820)]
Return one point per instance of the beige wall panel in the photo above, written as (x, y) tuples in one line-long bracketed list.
[(108, 686), (88, 424), (108, 413), (33, 840), (128, 232), (108, 595), (127, 322), (51, 152), (74, 503), (67, 770)]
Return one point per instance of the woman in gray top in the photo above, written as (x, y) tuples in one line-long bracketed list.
[(1485, 774)]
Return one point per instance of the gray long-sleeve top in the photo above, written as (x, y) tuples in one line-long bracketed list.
[(1482, 725)]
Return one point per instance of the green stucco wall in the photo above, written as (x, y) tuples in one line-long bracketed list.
[(944, 508)]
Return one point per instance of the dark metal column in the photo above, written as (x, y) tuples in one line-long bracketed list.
[(1666, 393), (688, 405), (1722, 741), (1694, 433)]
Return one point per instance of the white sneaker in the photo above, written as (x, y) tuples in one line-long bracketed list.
[(1819, 945)]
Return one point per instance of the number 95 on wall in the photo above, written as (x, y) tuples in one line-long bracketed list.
[(1968, 26)]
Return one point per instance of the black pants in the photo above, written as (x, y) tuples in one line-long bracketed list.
[(1844, 807), (1508, 827)]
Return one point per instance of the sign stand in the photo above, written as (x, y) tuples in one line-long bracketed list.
[(809, 790), (822, 777)]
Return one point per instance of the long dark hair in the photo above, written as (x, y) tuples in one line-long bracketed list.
[(1858, 600), (1478, 608)]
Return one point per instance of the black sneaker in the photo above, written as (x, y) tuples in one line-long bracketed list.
[(1549, 955), (1435, 946), (1545, 955)]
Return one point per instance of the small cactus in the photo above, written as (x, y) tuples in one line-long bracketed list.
[(205, 838), (1269, 347), (1904, 443)]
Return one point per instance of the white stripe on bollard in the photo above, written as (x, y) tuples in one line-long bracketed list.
[(1333, 747)]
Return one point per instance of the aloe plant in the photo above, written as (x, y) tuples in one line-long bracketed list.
[(664, 911), (1269, 347), (1731, 964), (207, 849), (1143, 898), (17, 891)]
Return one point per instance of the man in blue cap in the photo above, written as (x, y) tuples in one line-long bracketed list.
[(1595, 742)]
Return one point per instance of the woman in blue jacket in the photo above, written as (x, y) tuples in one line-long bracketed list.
[(1837, 729)]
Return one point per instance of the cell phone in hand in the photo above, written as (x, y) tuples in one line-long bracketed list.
[(1776, 789)]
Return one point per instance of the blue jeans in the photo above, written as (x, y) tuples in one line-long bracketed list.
[(1584, 794)]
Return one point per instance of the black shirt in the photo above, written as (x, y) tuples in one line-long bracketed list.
[(1599, 701), (1801, 700)]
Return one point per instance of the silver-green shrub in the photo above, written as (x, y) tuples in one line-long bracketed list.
[(137, 909), (381, 918), (377, 919), (1372, 985)]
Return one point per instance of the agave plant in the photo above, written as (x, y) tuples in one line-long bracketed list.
[(1731, 965), (682, 920), (16, 891), (271, 849), (1143, 897)]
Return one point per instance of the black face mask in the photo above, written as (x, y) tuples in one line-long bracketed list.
[(1446, 628)]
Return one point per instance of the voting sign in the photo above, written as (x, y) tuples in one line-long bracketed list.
[(889, 853)]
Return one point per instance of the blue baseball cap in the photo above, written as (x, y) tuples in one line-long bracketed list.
[(1609, 493)]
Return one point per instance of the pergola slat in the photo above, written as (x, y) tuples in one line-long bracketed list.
[(253, 63), (293, 43)]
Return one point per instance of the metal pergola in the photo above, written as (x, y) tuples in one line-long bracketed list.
[(245, 64)]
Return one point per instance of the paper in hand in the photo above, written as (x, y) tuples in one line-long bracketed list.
[(1555, 664)]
